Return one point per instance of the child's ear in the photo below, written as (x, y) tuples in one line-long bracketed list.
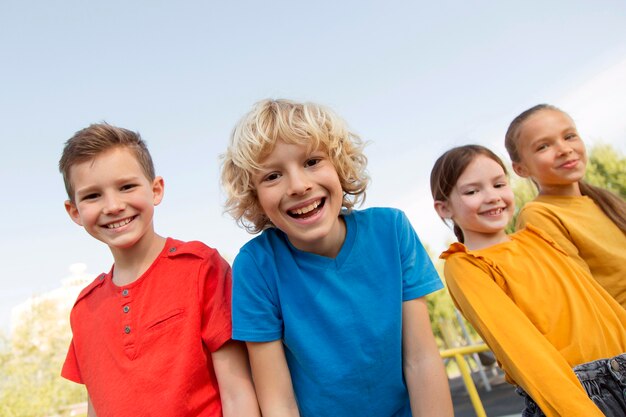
[(158, 190), (520, 169), (72, 210), (442, 209)]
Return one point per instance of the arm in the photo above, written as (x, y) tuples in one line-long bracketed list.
[(424, 372), (272, 379), (235, 383), (525, 354), (90, 411)]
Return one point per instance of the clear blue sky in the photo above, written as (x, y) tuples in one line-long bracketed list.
[(413, 78)]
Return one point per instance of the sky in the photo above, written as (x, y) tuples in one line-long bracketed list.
[(412, 78)]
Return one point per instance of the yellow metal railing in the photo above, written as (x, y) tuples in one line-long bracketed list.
[(466, 373)]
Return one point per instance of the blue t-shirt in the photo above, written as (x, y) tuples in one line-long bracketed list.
[(340, 319)]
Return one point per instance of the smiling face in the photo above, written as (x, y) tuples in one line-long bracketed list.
[(113, 199), (551, 153), (481, 203), (300, 192)]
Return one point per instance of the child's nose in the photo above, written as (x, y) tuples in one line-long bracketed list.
[(493, 195), (113, 204), (564, 147), (298, 183)]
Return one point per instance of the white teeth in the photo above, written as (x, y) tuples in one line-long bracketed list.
[(306, 209), (118, 224), (494, 212)]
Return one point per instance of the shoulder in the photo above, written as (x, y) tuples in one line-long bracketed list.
[(554, 204), (270, 239), (542, 213), (377, 213), (459, 257), (180, 250), (270, 246), (380, 218), (536, 206), (89, 289), (535, 238)]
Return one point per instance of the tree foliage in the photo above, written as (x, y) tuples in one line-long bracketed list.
[(30, 364), (607, 169)]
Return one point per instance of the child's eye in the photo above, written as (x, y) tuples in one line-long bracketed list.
[(271, 176), (542, 147), (470, 192), (127, 187), (500, 184), (312, 161), (571, 136), (91, 196)]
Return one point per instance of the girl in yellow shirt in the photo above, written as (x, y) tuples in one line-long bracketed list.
[(558, 335), (588, 222)]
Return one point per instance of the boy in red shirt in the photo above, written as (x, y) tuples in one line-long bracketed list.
[(153, 336)]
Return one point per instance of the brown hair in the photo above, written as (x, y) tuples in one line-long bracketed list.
[(91, 141), (309, 124), (612, 205), (449, 167)]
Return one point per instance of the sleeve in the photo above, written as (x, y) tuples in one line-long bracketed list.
[(419, 276), (525, 354), (70, 368), (256, 313), (548, 221), (215, 293)]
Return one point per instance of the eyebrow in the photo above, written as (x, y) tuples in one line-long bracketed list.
[(477, 183), (569, 128), (122, 180)]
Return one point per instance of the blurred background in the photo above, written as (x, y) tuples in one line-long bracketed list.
[(412, 78)]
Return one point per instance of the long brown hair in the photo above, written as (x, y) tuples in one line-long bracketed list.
[(612, 205), (449, 167)]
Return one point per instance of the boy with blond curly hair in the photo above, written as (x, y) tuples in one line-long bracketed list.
[(329, 299)]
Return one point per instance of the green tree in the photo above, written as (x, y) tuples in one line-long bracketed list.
[(607, 169), (30, 364)]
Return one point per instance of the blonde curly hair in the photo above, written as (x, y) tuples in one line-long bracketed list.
[(255, 136)]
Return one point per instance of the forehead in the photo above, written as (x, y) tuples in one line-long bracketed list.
[(284, 150), (545, 122), (118, 161), (482, 168)]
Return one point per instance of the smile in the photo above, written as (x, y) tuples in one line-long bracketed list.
[(120, 223), (493, 212), (306, 211), (570, 164)]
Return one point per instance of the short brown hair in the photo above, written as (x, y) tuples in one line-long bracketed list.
[(91, 141)]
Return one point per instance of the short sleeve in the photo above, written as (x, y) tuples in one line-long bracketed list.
[(215, 293), (70, 368), (256, 314), (419, 276)]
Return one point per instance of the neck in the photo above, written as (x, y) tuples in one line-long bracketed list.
[(572, 190), (481, 241), (131, 263)]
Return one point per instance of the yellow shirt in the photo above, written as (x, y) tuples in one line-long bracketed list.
[(582, 229), (540, 313)]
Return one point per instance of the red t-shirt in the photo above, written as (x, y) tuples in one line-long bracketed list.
[(144, 349)]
